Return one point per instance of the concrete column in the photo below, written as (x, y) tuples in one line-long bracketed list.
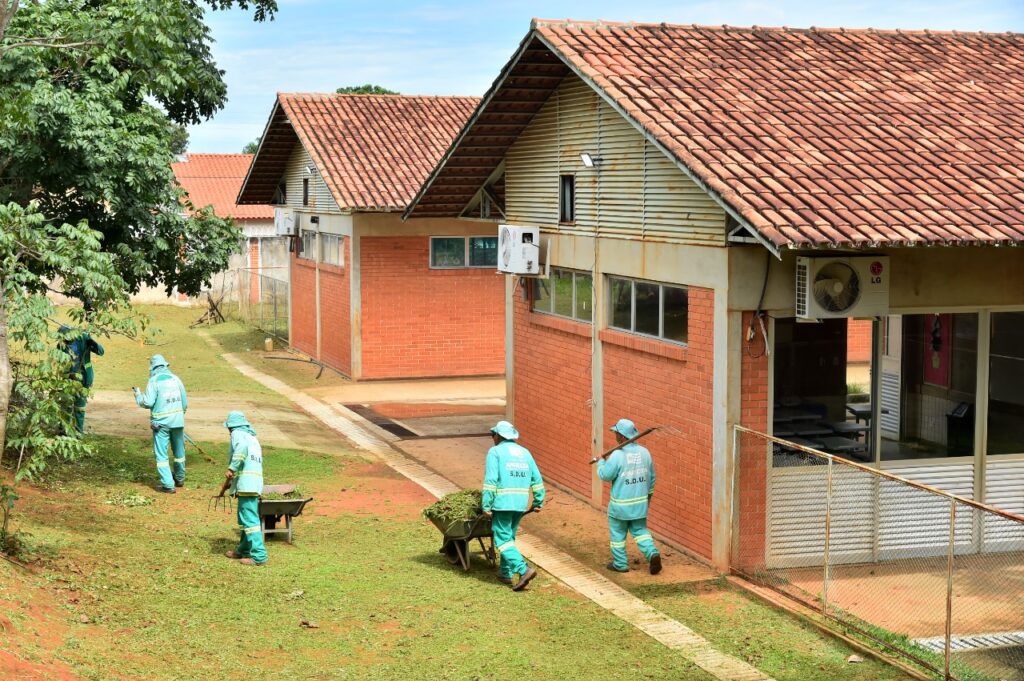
[(725, 412), (319, 319), (513, 286), (600, 309), (356, 305)]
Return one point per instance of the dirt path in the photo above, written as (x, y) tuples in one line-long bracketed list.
[(278, 424)]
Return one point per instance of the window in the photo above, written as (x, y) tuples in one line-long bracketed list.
[(307, 244), (567, 198), (305, 191), (331, 252), (1005, 399), (566, 294), (485, 206), (649, 309), (456, 251), (280, 194)]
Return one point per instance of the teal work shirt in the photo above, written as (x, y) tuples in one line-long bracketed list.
[(81, 349), (510, 477), (631, 472), (246, 462), (165, 398)]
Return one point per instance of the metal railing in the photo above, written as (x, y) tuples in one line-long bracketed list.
[(931, 576), (263, 301)]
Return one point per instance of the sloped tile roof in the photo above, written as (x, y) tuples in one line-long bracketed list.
[(214, 180), (827, 137), (374, 151)]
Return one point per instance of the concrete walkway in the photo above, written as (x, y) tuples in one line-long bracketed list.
[(559, 564)]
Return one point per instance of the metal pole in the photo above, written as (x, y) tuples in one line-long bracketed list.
[(949, 582), (828, 532)]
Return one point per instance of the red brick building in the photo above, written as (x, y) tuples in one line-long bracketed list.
[(213, 180), (371, 295), (676, 174)]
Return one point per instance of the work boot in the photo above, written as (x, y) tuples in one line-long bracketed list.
[(179, 483), (505, 580), (232, 555), (525, 579), (250, 561), (611, 566), (165, 490), (655, 563)]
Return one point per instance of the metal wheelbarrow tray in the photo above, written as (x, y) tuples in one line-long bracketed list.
[(273, 510), (458, 536)]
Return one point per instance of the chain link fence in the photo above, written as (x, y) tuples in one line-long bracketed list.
[(935, 578), (263, 301)]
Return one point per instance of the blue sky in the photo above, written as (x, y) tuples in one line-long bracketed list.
[(458, 47)]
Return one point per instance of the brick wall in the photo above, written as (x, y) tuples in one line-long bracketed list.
[(858, 340), (303, 304), (663, 384), (336, 324), (254, 267), (552, 366), (419, 322), (752, 458)]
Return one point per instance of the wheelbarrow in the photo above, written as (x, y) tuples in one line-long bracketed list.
[(272, 511), (459, 535)]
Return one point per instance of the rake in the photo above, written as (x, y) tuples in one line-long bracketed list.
[(667, 429)]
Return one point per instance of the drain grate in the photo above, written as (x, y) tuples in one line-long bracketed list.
[(381, 421), (978, 642)]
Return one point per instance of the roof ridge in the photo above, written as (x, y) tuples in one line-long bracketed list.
[(614, 25), (356, 95)]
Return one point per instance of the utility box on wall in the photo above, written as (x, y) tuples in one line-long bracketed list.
[(518, 250)]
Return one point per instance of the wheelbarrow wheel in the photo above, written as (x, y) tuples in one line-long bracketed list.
[(451, 551)]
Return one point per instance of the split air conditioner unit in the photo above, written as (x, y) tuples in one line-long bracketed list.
[(284, 222), (519, 250), (829, 287)]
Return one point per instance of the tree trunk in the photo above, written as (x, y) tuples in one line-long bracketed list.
[(7, 10), (6, 376)]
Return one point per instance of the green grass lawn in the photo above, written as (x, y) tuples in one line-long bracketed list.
[(145, 591), (196, 362)]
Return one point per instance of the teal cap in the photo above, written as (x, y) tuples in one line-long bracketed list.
[(235, 420), (157, 361), (506, 430), (625, 428)]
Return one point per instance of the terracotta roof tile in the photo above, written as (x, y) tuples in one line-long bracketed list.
[(921, 132), (374, 151), (214, 180)]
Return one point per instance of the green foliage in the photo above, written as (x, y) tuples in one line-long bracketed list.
[(252, 147), (462, 505), (33, 253), (129, 499), (179, 139), (366, 89)]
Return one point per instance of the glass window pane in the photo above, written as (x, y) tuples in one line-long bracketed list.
[(647, 311), (542, 295), (621, 303), (483, 251), (1006, 394), (675, 313), (448, 252), (562, 286), (584, 297)]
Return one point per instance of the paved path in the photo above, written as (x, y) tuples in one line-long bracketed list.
[(559, 564)]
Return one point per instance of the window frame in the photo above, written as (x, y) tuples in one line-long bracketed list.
[(576, 274), (466, 239), (566, 212), (322, 238), (315, 250), (661, 309), (305, 191)]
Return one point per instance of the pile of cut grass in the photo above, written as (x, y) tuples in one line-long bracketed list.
[(465, 504)]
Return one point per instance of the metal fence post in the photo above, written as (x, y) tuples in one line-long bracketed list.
[(828, 534), (949, 583)]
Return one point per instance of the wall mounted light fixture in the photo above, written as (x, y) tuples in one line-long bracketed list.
[(590, 161)]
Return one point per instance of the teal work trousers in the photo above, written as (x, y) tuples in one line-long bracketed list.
[(504, 525), (174, 439), (250, 545), (80, 403), (618, 529)]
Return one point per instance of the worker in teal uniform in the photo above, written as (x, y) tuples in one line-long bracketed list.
[(631, 472), (511, 480), (167, 401), (245, 481), (80, 347)]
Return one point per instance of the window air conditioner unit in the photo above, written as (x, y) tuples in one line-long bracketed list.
[(518, 250), (830, 287), (284, 222)]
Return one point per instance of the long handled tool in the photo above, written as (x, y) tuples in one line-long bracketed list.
[(208, 458), (219, 502), (623, 444)]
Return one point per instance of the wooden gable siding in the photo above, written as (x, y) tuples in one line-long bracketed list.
[(295, 172), (637, 192)]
